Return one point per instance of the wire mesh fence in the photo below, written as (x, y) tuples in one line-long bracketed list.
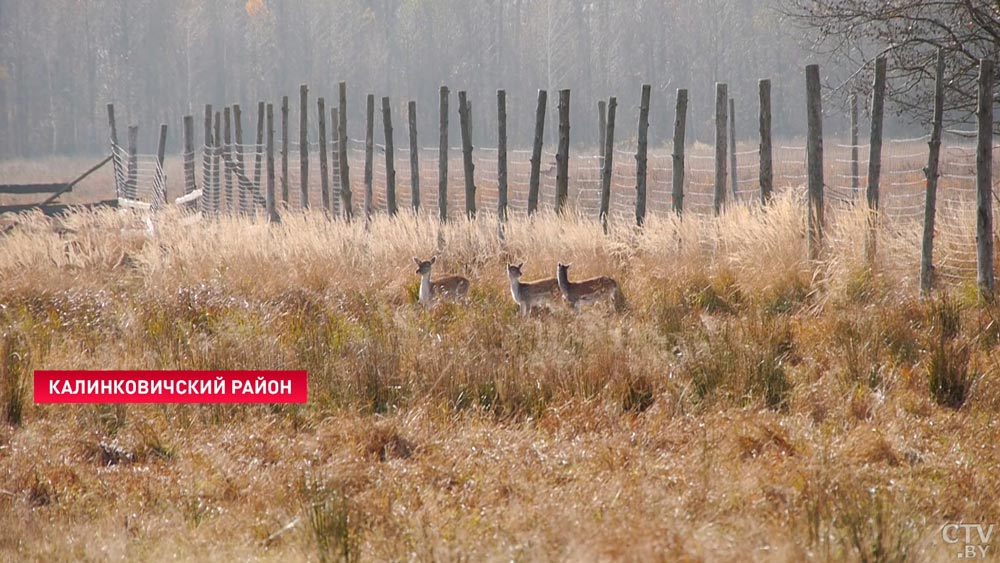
[(232, 180)]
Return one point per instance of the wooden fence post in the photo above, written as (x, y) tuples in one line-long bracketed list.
[(502, 155), (931, 173), (469, 167), (217, 165), (284, 150), (111, 124), (190, 183), (131, 189), (984, 181), (562, 154), (304, 145), (242, 189), (734, 171), (680, 130), (115, 158), (443, 156), (411, 116), (641, 156), (160, 187), (721, 121), (766, 152), (334, 195), (855, 171), (324, 166), (814, 156), (207, 189), (609, 159), (536, 152), (602, 126), (369, 156), (875, 160), (272, 212), (227, 147), (390, 158), (259, 149), (345, 170)]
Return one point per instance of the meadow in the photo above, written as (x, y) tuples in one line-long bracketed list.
[(748, 405)]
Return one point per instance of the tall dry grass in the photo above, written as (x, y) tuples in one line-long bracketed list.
[(748, 405)]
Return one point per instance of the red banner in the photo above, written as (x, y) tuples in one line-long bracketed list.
[(138, 386)]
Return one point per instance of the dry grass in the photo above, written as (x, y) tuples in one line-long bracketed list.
[(747, 406)]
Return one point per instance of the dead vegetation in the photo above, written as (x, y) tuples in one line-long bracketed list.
[(747, 405)]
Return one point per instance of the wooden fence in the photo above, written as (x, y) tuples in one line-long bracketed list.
[(942, 184)]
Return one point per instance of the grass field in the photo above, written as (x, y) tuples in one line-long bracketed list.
[(747, 406)]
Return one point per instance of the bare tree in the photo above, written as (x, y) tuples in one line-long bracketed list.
[(908, 33)]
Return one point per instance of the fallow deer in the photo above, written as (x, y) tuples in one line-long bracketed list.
[(447, 287), (589, 291), (529, 295)]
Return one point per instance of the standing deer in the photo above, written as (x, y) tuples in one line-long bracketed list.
[(589, 291), (529, 295), (447, 287)]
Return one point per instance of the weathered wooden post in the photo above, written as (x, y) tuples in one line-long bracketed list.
[(335, 187), (369, 156), (602, 126), (562, 154), (766, 175), (609, 158), (469, 168), (814, 157), (680, 129), (390, 158), (443, 156), (875, 160), (284, 150), (227, 155), (190, 184), (931, 173), (272, 211), (217, 164), (324, 166), (160, 186), (721, 120), (984, 181), (242, 188), (304, 145), (855, 171), (207, 189), (502, 154), (259, 149), (411, 115), (536, 152), (116, 162), (641, 157), (131, 189), (734, 171), (115, 159), (345, 173), (111, 124)]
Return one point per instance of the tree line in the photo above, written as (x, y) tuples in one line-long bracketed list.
[(61, 61)]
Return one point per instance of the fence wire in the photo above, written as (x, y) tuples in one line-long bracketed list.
[(231, 179)]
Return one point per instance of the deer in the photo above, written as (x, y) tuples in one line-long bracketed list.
[(447, 287), (529, 295), (589, 291)]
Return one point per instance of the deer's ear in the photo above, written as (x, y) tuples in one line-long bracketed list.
[(520, 265), (433, 259), (415, 261)]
